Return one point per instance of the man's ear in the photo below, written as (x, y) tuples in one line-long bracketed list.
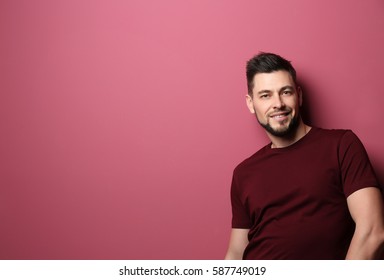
[(249, 101), (300, 94)]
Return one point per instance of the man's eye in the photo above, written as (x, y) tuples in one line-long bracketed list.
[(287, 92), (263, 96)]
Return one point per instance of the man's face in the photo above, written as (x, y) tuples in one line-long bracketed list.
[(275, 102)]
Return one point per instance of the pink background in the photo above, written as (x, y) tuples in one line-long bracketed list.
[(121, 121)]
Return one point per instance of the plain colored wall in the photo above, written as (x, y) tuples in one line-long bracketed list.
[(121, 121)]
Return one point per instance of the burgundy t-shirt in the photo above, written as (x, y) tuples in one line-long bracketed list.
[(293, 199)]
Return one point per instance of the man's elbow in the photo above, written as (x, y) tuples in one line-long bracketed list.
[(375, 240), (379, 239), (230, 255)]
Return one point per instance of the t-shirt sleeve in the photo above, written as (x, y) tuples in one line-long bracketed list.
[(240, 217), (356, 169)]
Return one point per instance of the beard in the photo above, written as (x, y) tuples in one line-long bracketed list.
[(284, 132)]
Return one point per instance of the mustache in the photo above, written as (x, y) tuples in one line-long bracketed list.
[(278, 112)]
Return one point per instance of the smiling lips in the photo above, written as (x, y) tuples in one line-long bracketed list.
[(279, 115)]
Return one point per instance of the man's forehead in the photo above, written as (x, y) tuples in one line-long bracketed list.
[(274, 79)]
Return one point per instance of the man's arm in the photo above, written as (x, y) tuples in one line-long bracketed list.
[(237, 243), (367, 210)]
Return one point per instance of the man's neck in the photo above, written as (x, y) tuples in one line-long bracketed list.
[(281, 142)]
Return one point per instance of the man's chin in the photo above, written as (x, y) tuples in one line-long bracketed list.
[(282, 131)]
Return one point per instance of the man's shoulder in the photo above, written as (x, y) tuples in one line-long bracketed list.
[(333, 134), (328, 140), (337, 132), (253, 159)]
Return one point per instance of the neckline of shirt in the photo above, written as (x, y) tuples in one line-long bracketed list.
[(295, 145)]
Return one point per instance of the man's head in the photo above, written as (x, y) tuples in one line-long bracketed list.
[(273, 94), (267, 63)]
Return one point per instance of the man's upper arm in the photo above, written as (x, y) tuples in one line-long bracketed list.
[(366, 207), (367, 210), (237, 243)]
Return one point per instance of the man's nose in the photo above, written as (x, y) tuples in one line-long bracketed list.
[(278, 101)]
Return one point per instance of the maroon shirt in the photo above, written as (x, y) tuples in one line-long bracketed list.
[(293, 199)]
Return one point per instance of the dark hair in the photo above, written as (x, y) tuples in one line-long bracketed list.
[(267, 63)]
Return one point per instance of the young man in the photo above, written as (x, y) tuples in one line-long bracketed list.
[(309, 194)]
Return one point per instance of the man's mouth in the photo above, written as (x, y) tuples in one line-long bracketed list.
[(279, 115)]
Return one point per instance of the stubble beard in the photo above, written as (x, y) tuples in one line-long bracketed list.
[(286, 132)]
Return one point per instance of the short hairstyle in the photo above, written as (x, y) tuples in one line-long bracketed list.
[(267, 63)]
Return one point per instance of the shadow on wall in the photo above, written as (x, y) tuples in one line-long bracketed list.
[(308, 102), (378, 166)]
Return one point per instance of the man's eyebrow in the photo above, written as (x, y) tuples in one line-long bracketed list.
[(264, 91), (287, 87), (281, 89)]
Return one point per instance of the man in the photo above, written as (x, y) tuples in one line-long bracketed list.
[(309, 194)]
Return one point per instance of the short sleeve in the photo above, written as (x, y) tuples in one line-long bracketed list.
[(356, 169), (240, 217)]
